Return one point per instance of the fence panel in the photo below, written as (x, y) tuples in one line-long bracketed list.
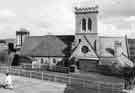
[(37, 75), (48, 77), (13, 71), (61, 79), (25, 73), (46, 68), (77, 81), (91, 84)]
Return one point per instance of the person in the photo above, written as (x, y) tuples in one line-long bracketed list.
[(8, 82)]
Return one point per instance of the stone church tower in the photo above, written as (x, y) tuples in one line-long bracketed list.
[(86, 24), (86, 31), (86, 37), (89, 48)]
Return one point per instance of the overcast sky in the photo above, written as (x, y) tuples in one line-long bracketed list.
[(40, 17)]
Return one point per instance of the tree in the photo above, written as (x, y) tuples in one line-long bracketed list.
[(111, 51), (129, 76)]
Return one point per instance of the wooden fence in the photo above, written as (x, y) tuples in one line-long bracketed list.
[(115, 88), (46, 68)]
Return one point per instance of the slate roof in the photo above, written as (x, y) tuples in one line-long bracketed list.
[(47, 46)]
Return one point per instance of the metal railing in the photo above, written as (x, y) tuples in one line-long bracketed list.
[(98, 85)]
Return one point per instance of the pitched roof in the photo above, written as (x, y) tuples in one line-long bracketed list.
[(48, 45)]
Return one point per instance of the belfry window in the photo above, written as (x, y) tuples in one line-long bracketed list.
[(89, 24), (83, 24)]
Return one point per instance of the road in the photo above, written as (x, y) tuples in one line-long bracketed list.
[(27, 85)]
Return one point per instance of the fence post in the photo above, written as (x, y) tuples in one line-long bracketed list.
[(54, 78), (69, 80), (30, 74), (98, 88), (83, 83), (7, 70), (112, 89), (18, 72), (42, 75)]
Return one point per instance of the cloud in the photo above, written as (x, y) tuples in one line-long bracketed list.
[(7, 13), (57, 17), (117, 26)]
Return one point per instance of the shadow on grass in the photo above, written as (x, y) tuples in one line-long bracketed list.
[(78, 89)]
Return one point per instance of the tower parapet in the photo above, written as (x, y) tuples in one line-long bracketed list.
[(93, 9)]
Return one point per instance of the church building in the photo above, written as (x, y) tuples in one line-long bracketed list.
[(90, 49), (86, 46)]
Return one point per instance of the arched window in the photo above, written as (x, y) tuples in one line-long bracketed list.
[(54, 60), (83, 24), (89, 24)]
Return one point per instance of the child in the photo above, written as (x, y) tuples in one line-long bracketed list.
[(8, 82)]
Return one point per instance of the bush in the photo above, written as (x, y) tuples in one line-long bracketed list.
[(109, 70), (4, 56)]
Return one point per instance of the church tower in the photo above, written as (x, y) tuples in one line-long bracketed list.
[(86, 20), (85, 45), (86, 24)]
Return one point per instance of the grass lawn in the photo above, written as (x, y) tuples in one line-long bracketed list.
[(27, 85), (91, 76), (98, 77)]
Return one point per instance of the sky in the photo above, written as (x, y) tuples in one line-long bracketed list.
[(41, 17)]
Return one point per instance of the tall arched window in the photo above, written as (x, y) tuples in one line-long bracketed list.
[(83, 24), (89, 24)]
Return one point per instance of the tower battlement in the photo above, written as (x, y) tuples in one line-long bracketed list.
[(93, 9)]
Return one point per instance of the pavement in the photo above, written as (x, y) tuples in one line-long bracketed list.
[(27, 85)]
